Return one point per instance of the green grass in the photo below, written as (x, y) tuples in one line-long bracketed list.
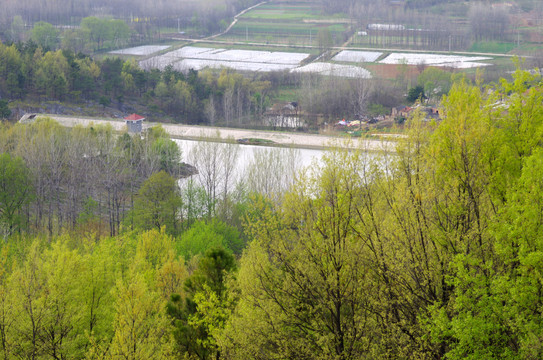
[(492, 47), (280, 15), (282, 32), (286, 94), (283, 23), (254, 47)]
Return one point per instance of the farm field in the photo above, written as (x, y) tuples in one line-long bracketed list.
[(243, 60), (283, 11), (328, 69), (287, 23), (454, 61), (357, 56), (198, 58), (140, 50), (251, 44)]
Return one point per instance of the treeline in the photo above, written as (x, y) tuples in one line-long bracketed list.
[(92, 34), (224, 97), (206, 17), (26, 70), (67, 176), (432, 24), (56, 179), (432, 253)]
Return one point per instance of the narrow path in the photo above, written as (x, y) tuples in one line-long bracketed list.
[(335, 49), (235, 20)]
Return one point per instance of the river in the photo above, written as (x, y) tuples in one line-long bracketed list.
[(304, 157)]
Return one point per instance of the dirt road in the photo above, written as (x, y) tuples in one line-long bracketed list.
[(192, 132)]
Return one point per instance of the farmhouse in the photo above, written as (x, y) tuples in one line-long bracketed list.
[(401, 111), (284, 115), (134, 123)]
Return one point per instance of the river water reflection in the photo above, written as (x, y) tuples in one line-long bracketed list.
[(304, 157)]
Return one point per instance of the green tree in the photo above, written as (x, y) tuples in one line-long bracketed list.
[(51, 74), (324, 39), (488, 170), (199, 318), (516, 288), (101, 33), (11, 72), (7, 306), (45, 35), (5, 112), (157, 203), (194, 202), (73, 40), (17, 29), (436, 82), (141, 327), (47, 302), (204, 235), (168, 154), (416, 93), (30, 284), (16, 191), (95, 31), (104, 101), (306, 284)]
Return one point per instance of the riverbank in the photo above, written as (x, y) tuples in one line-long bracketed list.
[(210, 133)]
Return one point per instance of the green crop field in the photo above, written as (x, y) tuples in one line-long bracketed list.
[(492, 47), (287, 11), (297, 24)]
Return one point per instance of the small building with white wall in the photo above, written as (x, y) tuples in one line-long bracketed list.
[(134, 123)]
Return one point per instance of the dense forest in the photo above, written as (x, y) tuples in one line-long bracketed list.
[(432, 252)]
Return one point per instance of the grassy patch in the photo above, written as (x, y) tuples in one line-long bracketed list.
[(294, 23), (270, 48), (280, 32), (492, 47), (254, 141), (286, 94)]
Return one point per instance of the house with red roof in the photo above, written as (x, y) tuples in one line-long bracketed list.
[(134, 123)]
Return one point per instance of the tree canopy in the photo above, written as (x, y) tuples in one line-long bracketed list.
[(433, 252), (16, 191)]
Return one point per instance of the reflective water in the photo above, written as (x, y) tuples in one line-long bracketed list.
[(304, 157)]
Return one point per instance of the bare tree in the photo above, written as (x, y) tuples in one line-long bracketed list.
[(362, 91), (216, 165), (488, 23), (272, 171), (210, 111), (228, 105)]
